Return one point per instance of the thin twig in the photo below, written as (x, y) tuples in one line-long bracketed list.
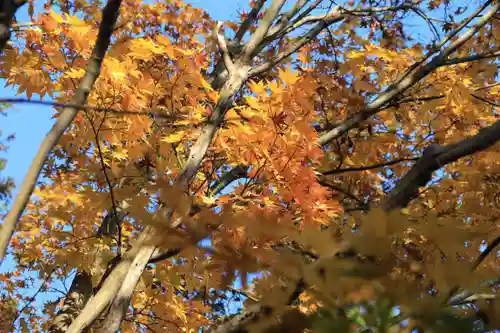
[(106, 28), (370, 167), (21, 100), (32, 298), (408, 80), (110, 186)]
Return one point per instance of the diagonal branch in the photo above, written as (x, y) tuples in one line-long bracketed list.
[(221, 40), (341, 190), (303, 18), (109, 18), (370, 167), (249, 20), (465, 295), (408, 80), (286, 17), (475, 57), (434, 157), (270, 14), (333, 16)]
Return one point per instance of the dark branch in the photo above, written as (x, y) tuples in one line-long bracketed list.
[(370, 167), (434, 157), (8, 10), (159, 115)]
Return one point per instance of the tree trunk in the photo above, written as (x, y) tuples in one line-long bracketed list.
[(78, 296)]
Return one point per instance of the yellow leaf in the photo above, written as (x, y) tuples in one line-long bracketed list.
[(349, 161), (75, 73), (166, 46), (58, 18), (173, 137), (288, 76), (257, 87)]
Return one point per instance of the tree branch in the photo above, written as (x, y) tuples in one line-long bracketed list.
[(250, 19), (434, 157), (475, 57), (8, 9), (21, 100), (109, 18), (122, 299), (332, 17), (370, 167), (407, 81), (221, 40), (270, 14)]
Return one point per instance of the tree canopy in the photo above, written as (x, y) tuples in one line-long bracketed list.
[(311, 166)]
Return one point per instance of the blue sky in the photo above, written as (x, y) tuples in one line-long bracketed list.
[(30, 123)]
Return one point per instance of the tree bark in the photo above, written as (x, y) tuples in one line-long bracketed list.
[(76, 299), (92, 71), (8, 9)]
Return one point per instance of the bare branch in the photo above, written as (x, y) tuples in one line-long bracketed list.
[(491, 246), (370, 167), (374, 10), (239, 171), (475, 57), (298, 22), (341, 190), (250, 19), (301, 19), (445, 40), (270, 14), (486, 100), (286, 17), (434, 158), (465, 295), (332, 17), (122, 299), (221, 40), (109, 18), (159, 115)]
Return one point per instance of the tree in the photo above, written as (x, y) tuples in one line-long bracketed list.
[(314, 148)]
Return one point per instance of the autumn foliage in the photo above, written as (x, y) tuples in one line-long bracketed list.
[(309, 167)]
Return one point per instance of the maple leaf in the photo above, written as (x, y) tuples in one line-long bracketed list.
[(264, 155)]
